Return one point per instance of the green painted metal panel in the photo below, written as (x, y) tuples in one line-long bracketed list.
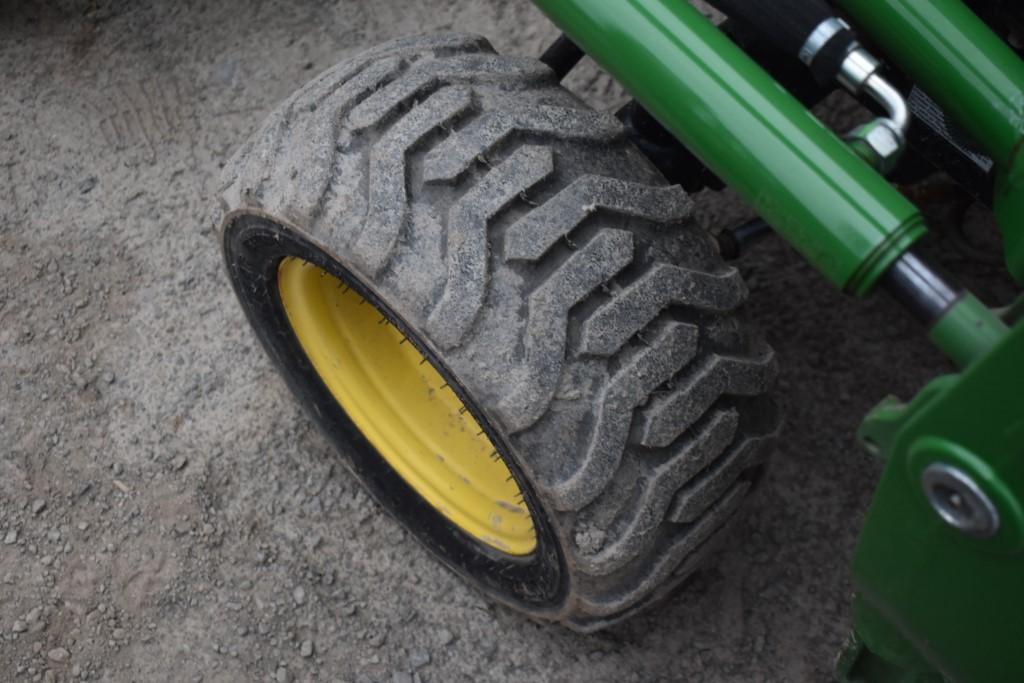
[(958, 599)]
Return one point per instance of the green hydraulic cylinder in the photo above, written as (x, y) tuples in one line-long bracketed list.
[(954, 57), (810, 186), (979, 81)]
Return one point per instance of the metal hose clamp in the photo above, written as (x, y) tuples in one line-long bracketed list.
[(819, 37)]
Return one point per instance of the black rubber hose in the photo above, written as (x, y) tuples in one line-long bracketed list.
[(787, 24)]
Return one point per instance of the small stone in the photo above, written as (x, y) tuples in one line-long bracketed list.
[(377, 638), (58, 654), (418, 659), (282, 675), (46, 560), (119, 634), (590, 540), (85, 187), (19, 626), (179, 463), (38, 505), (108, 377), (401, 677), (444, 637), (11, 538), (118, 469), (306, 649), (299, 595)]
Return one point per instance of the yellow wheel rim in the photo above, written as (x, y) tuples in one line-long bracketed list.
[(405, 408)]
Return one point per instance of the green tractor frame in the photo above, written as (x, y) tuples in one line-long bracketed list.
[(490, 299)]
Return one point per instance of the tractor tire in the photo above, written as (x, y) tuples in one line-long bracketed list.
[(564, 310)]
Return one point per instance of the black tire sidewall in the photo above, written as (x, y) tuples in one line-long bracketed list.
[(254, 245)]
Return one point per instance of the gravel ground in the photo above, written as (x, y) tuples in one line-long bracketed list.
[(166, 512)]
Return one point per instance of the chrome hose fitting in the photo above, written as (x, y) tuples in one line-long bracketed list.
[(883, 140)]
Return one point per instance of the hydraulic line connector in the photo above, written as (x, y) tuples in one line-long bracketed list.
[(808, 30), (881, 142)]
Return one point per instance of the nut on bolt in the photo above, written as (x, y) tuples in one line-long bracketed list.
[(881, 144), (959, 501)]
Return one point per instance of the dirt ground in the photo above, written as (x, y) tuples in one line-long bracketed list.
[(168, 514)]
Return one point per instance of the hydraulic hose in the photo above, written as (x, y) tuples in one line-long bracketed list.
[(807, 29), (810, 31)]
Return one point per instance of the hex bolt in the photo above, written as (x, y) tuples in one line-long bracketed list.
[(959, 501)]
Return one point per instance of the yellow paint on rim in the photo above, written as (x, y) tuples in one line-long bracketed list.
[(404, 407)]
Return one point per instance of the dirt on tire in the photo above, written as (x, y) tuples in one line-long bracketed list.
[(559, 279)]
